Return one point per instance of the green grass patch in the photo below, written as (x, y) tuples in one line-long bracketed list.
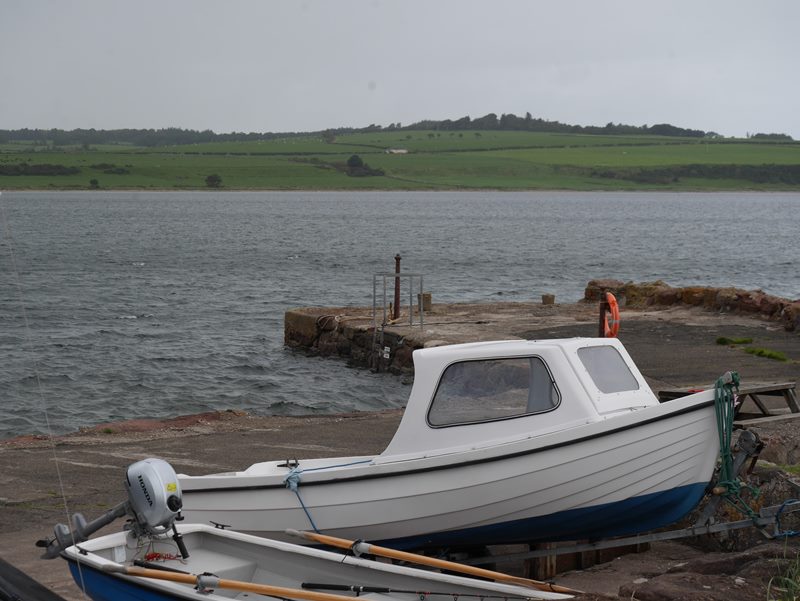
[(786, 585), (733, 341), (766, 353)]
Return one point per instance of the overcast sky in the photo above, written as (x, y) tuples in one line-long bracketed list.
[(730, 66)]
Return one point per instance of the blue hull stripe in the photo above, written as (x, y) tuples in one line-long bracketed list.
[(106, 587), (622, 518)]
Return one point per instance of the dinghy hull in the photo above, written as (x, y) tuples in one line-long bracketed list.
[(104, 569)]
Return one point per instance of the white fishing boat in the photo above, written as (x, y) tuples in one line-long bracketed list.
[(500, 442), (152, 561)]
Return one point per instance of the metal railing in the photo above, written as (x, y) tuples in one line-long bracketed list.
[(384, 305)]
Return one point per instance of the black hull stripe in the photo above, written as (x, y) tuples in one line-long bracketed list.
[(451, 466)]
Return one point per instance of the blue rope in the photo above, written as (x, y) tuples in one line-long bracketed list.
[(292, 482), (778, 531)]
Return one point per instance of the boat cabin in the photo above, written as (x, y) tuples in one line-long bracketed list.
[(474, 395)]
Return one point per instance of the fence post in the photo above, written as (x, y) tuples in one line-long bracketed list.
[(603, 308), (396, 287)]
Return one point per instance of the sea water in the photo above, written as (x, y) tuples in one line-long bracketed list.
[(122, 305)]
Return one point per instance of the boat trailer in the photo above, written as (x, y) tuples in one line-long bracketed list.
[(767, 520)]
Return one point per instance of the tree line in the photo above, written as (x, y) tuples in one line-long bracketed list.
[(135, 137), (511, 122), (491, 122), (760, 174)]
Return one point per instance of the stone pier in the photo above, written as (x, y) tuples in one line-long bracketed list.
[(353, 333)]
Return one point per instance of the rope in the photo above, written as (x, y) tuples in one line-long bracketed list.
[(778, 530), (725, 391), (292, 482)]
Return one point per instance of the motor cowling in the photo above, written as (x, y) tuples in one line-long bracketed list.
[(154, 494)]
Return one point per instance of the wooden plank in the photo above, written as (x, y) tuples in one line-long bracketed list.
[(763, 420), (753, 415), (766, 388), (757, 401), (784, 389), (791, 400)]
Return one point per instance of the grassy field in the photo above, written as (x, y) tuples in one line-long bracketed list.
[(433, 160)]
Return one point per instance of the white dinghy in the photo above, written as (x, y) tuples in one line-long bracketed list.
[(500, 442), (151, 561)]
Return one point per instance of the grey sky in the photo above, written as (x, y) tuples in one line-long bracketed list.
[(729, 66)]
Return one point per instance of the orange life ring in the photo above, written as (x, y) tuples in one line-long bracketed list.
[(611, 326)]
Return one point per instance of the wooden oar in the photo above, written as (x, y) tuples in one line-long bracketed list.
[(361, 547), (359, 589), (205, 581)]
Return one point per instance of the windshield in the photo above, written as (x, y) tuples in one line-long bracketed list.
[(475, 391)]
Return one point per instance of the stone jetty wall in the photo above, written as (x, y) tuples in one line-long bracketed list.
[(348, 332), (722, 300), (326, 332)]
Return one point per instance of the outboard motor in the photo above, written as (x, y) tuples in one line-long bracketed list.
[(154, 496), (153, 506)]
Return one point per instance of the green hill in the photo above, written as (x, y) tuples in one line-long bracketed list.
[(415, 159)]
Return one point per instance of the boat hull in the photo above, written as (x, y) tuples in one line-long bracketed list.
[(100, 586), (625, 475), (243, 563)]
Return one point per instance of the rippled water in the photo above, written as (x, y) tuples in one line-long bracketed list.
[(161, 304)]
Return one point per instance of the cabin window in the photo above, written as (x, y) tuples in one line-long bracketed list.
[(477, 391), (608, 369)]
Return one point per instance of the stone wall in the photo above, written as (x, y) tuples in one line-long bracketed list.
[(723, 300), (324, 331), (348, 332)]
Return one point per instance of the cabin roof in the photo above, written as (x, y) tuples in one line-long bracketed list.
[(591, 379)]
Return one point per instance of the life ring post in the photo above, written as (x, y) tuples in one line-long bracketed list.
[(601, 331)]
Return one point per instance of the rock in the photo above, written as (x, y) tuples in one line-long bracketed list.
[(675, 587), (641, 295), (693, 295), (790, 316), (668, 296), (725, 299), (750, 302), (595, 288), (403, 361), (716, 577), (772, 305), (435, 342), (300, 327)]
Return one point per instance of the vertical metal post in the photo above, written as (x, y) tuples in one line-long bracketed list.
[(396, 287), (384, 300), (421, 318), (603, 309)]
